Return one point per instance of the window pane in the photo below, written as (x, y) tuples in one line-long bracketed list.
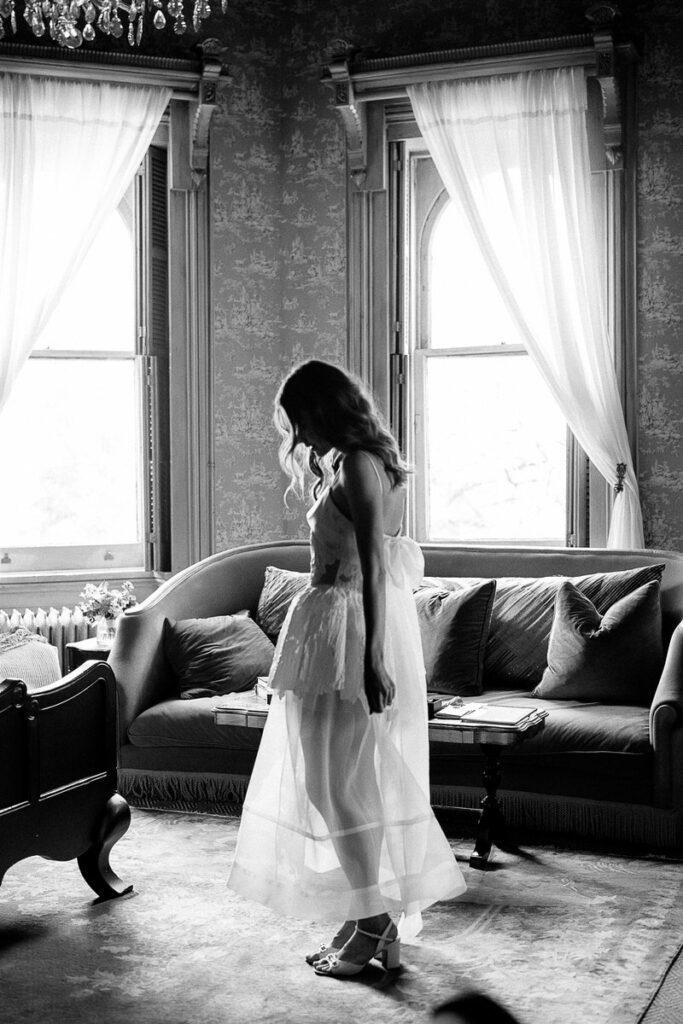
[(71, 462), (465, 307), (97, 307), (496, 452)]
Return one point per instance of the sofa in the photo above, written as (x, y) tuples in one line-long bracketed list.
[(606, 766)]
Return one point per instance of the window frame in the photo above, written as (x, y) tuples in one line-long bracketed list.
[(370, 97), (188, 505), (423, 202)]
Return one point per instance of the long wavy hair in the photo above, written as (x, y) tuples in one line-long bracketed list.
[(343, 412)]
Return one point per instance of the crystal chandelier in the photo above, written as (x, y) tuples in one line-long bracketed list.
[(73, 22)]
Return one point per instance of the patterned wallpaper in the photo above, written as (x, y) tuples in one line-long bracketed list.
[(278, 205), (660, 274)]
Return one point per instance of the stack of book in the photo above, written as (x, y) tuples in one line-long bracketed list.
[(485, 721), (261, 689), (248, 708)]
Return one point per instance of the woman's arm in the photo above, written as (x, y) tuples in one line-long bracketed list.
[(363, 493)]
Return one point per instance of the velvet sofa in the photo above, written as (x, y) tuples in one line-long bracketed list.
[(598, 769)]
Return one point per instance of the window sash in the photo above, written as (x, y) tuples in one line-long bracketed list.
[(101, 555), (421, 482)]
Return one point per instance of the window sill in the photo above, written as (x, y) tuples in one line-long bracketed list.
[(58, 589)]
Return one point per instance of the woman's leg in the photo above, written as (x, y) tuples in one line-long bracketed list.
[(339, 756)]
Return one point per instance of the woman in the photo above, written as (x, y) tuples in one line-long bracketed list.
[(337, 821)]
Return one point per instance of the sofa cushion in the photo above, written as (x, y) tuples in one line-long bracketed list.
[(591, 751), (454, 626), (280, 587), (523, 608), (189, 723), (220, 654), (614, 659)]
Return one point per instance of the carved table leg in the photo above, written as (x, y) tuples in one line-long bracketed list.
[(491, 821), (94, 863)]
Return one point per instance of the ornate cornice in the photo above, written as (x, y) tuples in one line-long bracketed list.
[(471, 53)]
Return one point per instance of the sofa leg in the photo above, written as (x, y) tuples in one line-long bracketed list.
[(94, 863)]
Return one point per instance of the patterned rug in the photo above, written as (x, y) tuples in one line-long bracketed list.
[(558, 936)]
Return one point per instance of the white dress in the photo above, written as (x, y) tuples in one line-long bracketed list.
[(337, 822)]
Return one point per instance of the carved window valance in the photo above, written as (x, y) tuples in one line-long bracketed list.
[(359, 83), (193, 81)]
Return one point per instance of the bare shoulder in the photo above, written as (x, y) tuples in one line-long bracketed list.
[(358, 471)]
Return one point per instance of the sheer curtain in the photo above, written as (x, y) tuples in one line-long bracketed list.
[(513, 150), (68, 152)]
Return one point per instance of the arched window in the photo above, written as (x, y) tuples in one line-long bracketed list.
[(489, 443)]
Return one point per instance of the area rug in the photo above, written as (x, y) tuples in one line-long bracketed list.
[(557, 936)]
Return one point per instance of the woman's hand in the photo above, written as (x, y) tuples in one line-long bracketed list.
[(379, 688)]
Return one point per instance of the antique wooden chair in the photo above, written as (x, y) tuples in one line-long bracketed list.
[(58, 774)]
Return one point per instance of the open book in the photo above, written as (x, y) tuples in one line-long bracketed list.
[(489, 714)]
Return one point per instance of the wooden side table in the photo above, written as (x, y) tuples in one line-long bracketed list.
[(251, 710), (491, 825), (85, 650)]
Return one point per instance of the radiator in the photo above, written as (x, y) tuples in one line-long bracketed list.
[(59, 628)]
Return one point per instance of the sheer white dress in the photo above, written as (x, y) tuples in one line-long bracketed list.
[(337, 822)]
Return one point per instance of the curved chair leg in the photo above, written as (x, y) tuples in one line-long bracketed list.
[(94, 863)]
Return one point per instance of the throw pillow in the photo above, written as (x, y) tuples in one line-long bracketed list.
[(454, 626), (280, 587), (615, 658), (220, 654), (523, 607)]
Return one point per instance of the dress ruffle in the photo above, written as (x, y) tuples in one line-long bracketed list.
[(322, 642)]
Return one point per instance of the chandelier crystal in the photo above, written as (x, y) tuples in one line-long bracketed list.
[(74, 22)]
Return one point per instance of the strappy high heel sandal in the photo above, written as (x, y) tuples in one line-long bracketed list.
[(340, 939), (388, 951)]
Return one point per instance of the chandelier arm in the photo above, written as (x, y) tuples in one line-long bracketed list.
[(71, 23)]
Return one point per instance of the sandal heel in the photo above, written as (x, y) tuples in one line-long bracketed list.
[(387, 951), (391, 956)]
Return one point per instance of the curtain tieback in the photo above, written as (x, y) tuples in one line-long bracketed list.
[(621, 473)]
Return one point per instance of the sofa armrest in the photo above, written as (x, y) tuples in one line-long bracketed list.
[(138, 663), (666, 727)]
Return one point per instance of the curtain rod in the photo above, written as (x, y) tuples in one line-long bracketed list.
[(386, 78), (371, 86), (382, 86)]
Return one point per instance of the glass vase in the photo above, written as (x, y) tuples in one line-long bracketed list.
[(106, 630)]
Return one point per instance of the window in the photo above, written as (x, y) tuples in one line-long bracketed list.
[(153, 509), (85, 427), (485, 436), (494, 461)]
